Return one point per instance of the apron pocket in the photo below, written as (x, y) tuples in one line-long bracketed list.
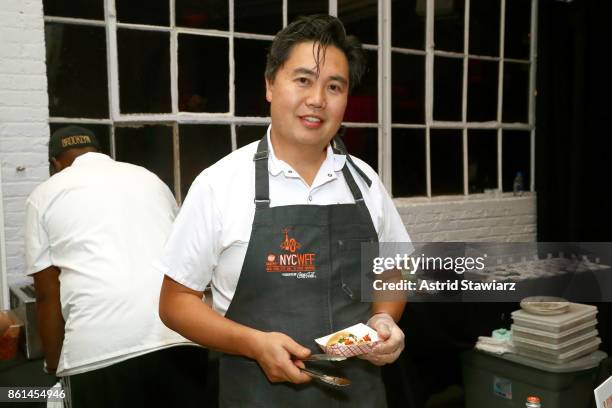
[(350, 266)]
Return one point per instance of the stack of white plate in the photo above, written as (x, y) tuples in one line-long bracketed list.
[(554, 330)]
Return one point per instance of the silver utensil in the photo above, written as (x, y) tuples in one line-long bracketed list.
[(324, 357), (328, 379)]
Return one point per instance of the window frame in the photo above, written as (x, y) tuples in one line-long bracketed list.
[(384, 49)]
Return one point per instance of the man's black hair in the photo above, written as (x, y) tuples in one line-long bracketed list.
[(323, 30)]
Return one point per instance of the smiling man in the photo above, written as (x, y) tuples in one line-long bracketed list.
[(276, 227), (307, 103)]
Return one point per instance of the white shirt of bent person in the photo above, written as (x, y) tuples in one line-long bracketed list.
[(102, 223)]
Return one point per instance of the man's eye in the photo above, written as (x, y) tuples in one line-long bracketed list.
[(335, 88), (303, 81)]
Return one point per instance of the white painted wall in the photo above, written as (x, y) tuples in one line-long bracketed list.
[(24, 115), (472, 219)]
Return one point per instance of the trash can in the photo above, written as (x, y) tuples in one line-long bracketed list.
[(505, 381)]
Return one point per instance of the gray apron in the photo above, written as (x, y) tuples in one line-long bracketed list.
[(301, 276)]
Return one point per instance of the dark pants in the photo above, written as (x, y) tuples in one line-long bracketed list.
[(173, 377)]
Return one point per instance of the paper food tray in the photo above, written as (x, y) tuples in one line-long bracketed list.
[(358, 330)]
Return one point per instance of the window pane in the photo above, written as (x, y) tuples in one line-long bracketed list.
[(408, 88), (515, 158), (363, 101), (210, 14), (482, 90), (482, 160), (144, 71), (449, 25), (250, 57), (446, 162), (76, 70), (518, 27), (363, 143), (448, 85), (360, 18), (407, 25), (484, 27), (257, 16), (203, 73), (516, 92), (102, 133), (147, 146), (408, 161), (200, 147), (90, 9), (249, 134), (296, 8), (152, 12)]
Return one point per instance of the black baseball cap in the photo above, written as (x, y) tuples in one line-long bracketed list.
[(70, 137)]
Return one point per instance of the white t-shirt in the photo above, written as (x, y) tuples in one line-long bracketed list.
[(102, 223), (210, 236)]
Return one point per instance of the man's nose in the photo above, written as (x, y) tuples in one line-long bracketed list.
[(316, 97)]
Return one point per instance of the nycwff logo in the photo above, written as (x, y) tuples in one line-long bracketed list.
[(292, 262), (288, 244)]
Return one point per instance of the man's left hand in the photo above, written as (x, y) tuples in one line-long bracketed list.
[(391, 339)]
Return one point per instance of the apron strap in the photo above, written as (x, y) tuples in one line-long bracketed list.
[(352, 184), (339, 147), (262, 182)]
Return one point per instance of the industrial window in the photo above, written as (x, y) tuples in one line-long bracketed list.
[(445, 108)]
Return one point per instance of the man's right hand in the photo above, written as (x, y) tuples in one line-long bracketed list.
[(182, 310), (274, 351)]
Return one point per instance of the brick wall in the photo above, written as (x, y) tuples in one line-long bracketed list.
[(24, 114), (473, 219)]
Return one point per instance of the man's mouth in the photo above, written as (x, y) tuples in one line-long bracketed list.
[(311, 122)]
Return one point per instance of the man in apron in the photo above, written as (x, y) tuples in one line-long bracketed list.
[(276, 227)]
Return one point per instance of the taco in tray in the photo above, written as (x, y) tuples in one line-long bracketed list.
[(346, 338)]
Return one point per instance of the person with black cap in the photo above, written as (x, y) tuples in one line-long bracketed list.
[(68, 143), (92, 232), (298, 196)]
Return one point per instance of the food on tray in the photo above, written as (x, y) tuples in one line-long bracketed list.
[(347, 339), (349, 342)]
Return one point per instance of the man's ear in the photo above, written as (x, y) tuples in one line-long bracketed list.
[(55, 166), (269, 87)]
